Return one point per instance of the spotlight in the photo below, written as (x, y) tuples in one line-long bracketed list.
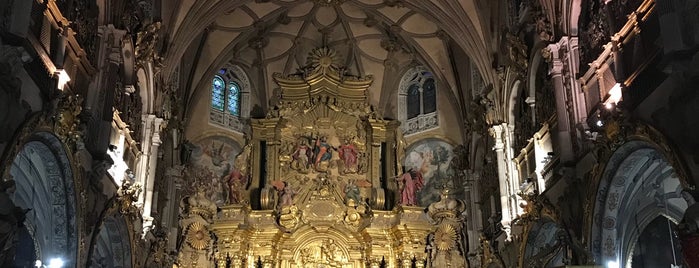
[(55, 263), (599, 123), (612, 264), (609, 106)]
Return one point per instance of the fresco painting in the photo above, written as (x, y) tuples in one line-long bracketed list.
[(431, 158), (214, 157)]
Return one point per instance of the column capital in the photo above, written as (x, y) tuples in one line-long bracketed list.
[(496, 132)]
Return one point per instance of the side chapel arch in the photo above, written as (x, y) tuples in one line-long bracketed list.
[(112, 247), (45, 183), (622, 210), (543, 245)]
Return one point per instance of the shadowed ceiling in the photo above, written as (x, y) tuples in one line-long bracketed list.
[(382, 38)]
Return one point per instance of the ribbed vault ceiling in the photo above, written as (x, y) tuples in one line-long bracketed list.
[(372, 37)]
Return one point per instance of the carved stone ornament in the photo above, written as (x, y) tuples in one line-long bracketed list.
[(146, 45), (329, 2), (517, 52), (67, 119), (127, 197)]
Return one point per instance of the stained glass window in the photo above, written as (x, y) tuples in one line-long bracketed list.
[(233, 98), (417, 101), (413, 101), (217, 93), (429, 96)]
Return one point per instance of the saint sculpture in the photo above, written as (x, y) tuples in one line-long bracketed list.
[(323, 153), (301, 156), (348, 153), (408, 184)]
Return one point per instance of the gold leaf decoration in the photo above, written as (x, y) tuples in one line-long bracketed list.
[(445, 237), (198, 236), (323, 59)]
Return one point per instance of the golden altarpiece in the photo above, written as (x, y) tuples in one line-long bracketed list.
[(324, 163)]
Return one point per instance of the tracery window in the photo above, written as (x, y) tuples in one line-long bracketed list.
[(230, 94), (217, 93), (233, 98), (417, 101)]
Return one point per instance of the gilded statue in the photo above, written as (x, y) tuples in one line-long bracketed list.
[(289, 216)]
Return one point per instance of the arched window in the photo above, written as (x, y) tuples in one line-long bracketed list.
[(217, 93), (233, 98), (417, 101), (230, 94)]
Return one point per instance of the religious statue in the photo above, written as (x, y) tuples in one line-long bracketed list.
[(323, 153), (348, 154), (301, 156), (362, 164), (328, 249), (236, 182), (238, 178), (286, 195), (352, 192), (11, 220), (128, 196), (408, 184)]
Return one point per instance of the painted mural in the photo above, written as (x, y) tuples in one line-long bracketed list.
[(429, 161), (213, 159)]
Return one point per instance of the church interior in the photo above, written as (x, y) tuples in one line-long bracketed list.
[(349, 133)]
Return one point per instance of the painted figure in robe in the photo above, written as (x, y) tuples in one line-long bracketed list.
[(348, 153), (409, 183), (323, 152), (301, 156)]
